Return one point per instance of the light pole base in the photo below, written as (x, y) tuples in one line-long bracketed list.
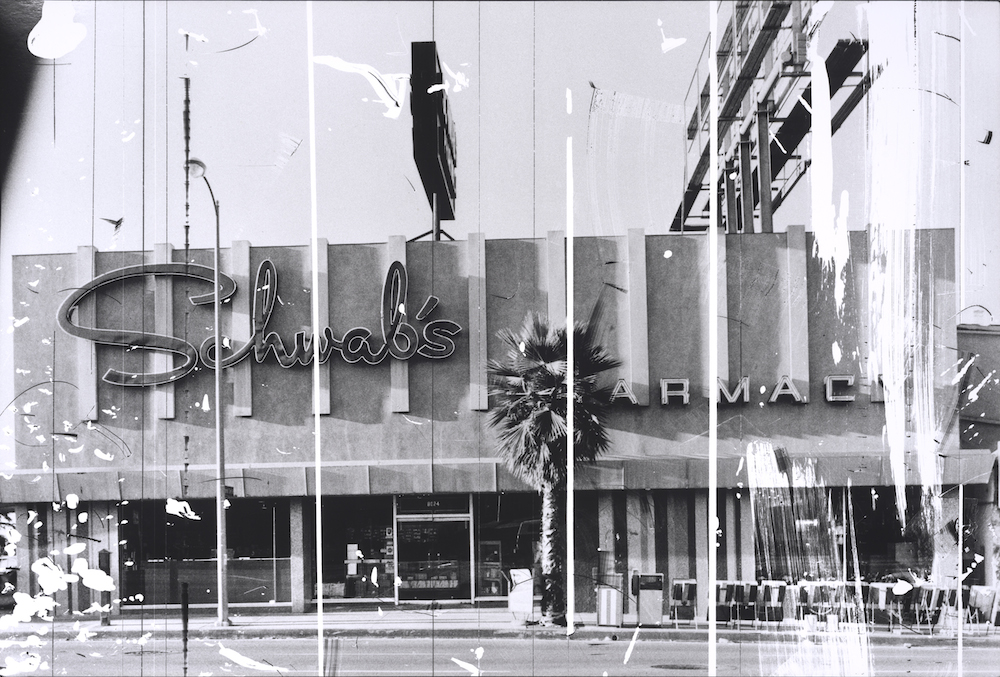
[(224, 623)]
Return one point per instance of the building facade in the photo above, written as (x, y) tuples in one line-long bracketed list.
[(115, 419)]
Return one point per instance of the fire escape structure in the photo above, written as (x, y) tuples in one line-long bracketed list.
[(764, 101)]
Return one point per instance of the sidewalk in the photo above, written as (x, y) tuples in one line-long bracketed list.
[(422, 622)]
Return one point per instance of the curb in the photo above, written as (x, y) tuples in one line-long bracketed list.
[(583, 634)]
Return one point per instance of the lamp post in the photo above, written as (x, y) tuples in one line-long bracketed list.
[(196, 169)]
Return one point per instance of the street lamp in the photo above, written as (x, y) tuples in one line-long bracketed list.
[(196, 169)]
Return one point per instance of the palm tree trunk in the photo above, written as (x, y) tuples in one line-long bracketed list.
[(553, 553)]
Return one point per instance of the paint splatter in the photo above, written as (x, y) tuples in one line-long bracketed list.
[(258, 28), (631, 645), (51, 577), (460, 79), (30, 663), (56, 34), (831, 244), (181, 509), (974, 393), (243, 661), (668, 43), (473, 670), (390, 88), (193, 36)]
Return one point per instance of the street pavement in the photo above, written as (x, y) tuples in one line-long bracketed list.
[(460, 622), (364, 656)]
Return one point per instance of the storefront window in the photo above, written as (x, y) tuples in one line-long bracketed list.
[(434, 560), (357, 541), (506, 538), (161, 551), (886, 551)]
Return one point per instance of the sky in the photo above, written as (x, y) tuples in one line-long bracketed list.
[(517, 64)]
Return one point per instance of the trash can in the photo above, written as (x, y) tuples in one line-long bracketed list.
[(648, 591), (521, 597), (609, 600)]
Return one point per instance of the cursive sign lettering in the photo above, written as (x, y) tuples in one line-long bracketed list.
[(399, 339)]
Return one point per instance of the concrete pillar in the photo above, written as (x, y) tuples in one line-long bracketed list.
[(86, 351), (555, 276), (605, 521), (678, 537), (55, 524), (701, 544), (475, 261), (25, 554), (989, 537), (748, 558), (299, 583), (635, 359), (641, 532), (728, 508), (240, 313), (82, 532), (947, 562)]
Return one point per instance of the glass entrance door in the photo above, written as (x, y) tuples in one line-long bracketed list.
[(434, 559)]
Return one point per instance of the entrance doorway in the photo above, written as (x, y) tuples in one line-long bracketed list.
[(434, 549)]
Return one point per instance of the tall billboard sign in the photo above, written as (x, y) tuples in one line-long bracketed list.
[(433, 129)]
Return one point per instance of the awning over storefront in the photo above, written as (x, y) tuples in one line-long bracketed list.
[(969, 467)]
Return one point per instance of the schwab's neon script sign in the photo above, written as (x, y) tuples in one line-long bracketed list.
[(399, 339)]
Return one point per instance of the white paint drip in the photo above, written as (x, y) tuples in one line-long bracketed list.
[(974, 393), (243, 661), (631, 645), (902, 289), (832, 243), (390, 88), (473, 670), (51, 577), (30, 663), (33, 641), (95, 579), (837, 355), (668, 43), (181, 509), (56, 34), (25, 607), (460, 78), (193, 36), (258, 28)]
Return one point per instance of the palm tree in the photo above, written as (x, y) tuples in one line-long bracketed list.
[(529, 415)]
